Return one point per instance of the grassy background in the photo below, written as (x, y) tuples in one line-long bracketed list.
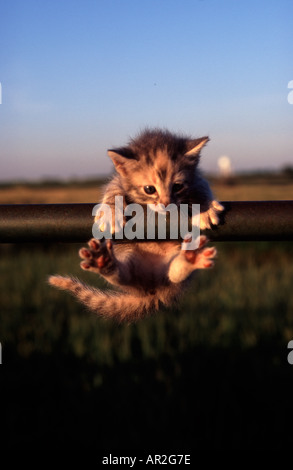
[(212, 373)]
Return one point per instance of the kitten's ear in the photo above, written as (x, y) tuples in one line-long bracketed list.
[(123, 158), (194, 147)]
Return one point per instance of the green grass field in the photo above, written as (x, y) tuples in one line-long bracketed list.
[(212, 373), (246, 299)]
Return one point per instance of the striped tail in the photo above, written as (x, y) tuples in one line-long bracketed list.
[(107, 304)]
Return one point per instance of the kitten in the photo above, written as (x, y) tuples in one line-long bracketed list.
[(157, 167)]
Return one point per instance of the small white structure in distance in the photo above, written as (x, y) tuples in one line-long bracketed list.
[(225, 167)]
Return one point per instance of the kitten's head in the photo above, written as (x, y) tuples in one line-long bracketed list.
[(158, 167)]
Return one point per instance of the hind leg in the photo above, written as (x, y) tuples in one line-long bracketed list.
[(98, 257), (202, 257), (188, 261)]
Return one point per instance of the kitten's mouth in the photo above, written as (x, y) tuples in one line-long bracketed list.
[(158, 207)]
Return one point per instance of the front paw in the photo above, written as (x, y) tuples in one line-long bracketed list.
[(98, 257), (211, 216), (104, 224), (110, 217)]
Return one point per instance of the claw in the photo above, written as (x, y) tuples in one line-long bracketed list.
[(210, 252), (84, 253), (84, 265), (94, 244), (208, 264)]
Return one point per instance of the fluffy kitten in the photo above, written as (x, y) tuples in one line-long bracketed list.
[(156, 167)]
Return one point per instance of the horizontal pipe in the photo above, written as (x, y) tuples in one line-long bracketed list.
[(241, 221), (45, 223)]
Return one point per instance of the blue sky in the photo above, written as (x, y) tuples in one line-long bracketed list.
[(79, 77)]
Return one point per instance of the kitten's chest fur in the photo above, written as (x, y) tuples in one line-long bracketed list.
[(148, 253), (148, 262)]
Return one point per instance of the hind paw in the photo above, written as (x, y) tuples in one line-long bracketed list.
[(202, 257), (98, 257)]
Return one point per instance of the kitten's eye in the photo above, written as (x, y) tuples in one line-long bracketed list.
[(177, 187), (149, 189)]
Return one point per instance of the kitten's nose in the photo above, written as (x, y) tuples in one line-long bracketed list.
[(165, 201)]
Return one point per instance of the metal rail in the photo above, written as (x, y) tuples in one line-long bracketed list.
[(241, 221)]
